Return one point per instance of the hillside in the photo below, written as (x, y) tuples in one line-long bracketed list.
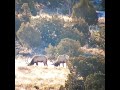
[(72, 28)]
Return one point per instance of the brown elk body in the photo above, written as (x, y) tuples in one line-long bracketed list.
[(61, 59), (37, 59)]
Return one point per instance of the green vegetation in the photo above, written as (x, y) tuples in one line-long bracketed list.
[(44, 31), (65, 46), (92, 70), (74, 83), (98, 38), (95, 81), (28, 36), (85, 10)]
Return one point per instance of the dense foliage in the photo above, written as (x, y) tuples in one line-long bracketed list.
[(85, 10), (95, 81), (98, 38), (65, 46), (45, 31), (92, 71)]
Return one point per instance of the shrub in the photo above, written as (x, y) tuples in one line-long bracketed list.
[(98, 63), (68, 46), (65, 46), (28, 36), (95, 81), (51, 50), (88, 65), (98, 38), (85, 10), (85, 68), (92, 71), (74, 83), (83, 30)]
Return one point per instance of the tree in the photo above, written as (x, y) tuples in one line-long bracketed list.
[(97, 38), (85, 10), (89, 65), (84, 68), (83, 28), (103, 4), (28, 36), (95, 81), (74, 83), (31, 5), (51, 50), (102, 38), (68, 46), (98, 63)]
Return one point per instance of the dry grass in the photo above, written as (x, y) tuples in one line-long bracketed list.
[(94, 51), (42, 77), (47, 16)]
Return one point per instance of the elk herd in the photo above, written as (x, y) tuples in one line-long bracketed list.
[(61, 59)]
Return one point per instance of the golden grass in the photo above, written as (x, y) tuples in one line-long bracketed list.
[(47, 16), (94, 51), (42, 77)]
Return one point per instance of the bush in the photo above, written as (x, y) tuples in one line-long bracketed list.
[(95, 81), (68, 46), (92, 71), (65, 46), (85, 68), (83, 29), (98, 38), (89, 65), (85, 10), (74, 83), (28, 36), (50, 50), (98, 63)]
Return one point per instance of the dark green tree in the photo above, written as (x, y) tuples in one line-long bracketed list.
[(68, 46), (95, 81), (98, 38), (31, 5), (85, 10), (28, 36), (103, 4), (89, 65), (84, 68), (74, 83)]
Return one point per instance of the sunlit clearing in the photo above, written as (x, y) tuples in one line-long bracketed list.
[(42, 76)]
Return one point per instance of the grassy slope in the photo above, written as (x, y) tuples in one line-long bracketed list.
[(46, 78)]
